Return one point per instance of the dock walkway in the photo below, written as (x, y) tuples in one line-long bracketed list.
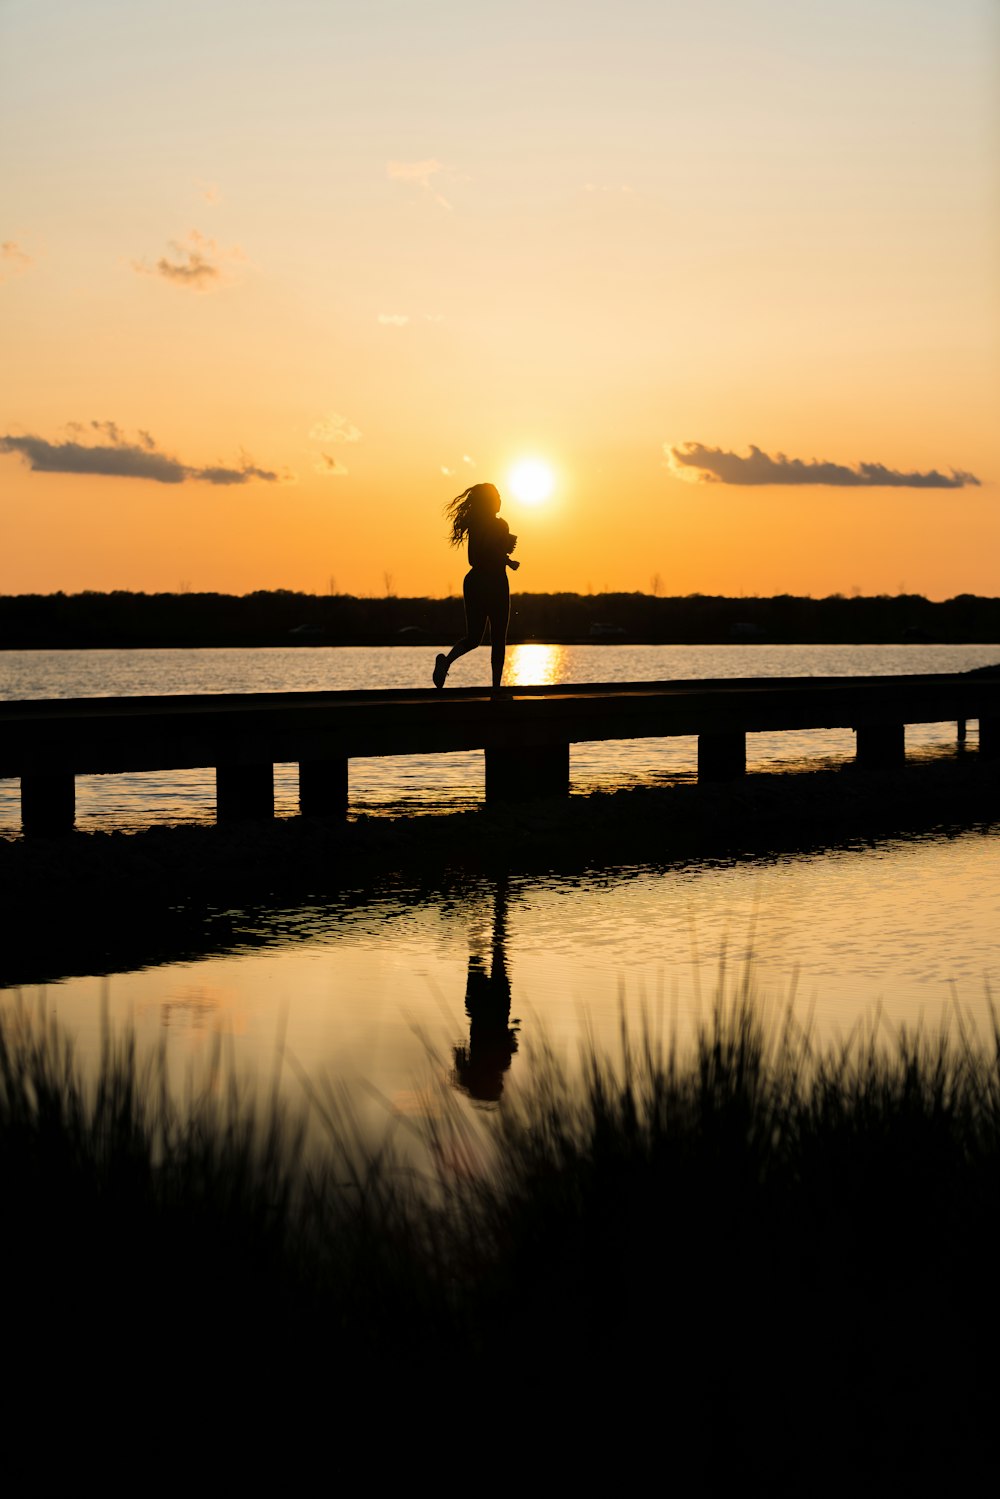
[(525, 733)]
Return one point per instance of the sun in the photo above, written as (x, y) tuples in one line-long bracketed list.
[(531, 481)]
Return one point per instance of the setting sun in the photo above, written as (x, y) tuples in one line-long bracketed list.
[(670, 324), (531, 481)]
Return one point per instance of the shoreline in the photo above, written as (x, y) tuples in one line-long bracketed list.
[(125, 620), (95, 901), (443, 640)]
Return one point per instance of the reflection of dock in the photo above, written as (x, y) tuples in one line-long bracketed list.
[(525, 734)]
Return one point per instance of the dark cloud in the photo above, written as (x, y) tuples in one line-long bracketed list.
[(717, 466), (194, 271), (125, 461), (119, 458), (197, 262), (330, 467), (241, 475)]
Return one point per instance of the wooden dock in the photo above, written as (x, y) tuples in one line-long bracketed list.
[(525, 733)]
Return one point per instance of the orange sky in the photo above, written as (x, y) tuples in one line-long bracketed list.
[(326, 257)]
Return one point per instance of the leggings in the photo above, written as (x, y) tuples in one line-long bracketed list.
[(487, 600)]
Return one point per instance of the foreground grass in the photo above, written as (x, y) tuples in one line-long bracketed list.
[(753, 1260)]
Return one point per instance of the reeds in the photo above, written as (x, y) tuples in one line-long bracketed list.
[(761, 1255)]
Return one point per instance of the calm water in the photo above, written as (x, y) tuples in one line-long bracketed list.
[(394, 988)]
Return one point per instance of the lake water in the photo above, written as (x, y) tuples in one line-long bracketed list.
[(391, 987)]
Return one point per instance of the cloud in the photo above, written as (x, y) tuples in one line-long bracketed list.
[(118, 457), (329, 467), (419, 174), (450, 472), (209, 192), (695, 462), (335, 428), (197, 262), (242, 475), (126, 461), (400, 319), (14, 259)]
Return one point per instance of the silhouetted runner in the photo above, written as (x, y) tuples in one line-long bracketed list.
[(473, 514)]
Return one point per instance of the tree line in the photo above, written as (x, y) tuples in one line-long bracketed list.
[(283, 617)]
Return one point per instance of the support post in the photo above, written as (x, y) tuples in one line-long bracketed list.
[(989, 738), (323, 788), (243, 791), (48, 804), (722, 757), (519, 774), (962, 731), (881, 745)]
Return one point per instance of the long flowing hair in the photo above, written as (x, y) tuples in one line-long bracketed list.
[(478, 502)]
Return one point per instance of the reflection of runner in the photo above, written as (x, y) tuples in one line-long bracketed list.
[(487, 594), (480, 1066)]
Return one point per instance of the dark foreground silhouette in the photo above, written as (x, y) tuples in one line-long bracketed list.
[(753, 1263)]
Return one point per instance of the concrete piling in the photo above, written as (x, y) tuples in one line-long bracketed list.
[(722, 757), (523, 772), (48, 803), (243, 791), (881, 744)]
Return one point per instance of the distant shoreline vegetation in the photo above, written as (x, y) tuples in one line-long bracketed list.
[(281, 617)]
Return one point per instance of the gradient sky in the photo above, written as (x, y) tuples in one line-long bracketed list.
[(268, 271)]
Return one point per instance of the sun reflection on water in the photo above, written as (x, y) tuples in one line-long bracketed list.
[(536, 665)]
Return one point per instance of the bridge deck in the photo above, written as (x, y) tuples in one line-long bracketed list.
[(525, 733)]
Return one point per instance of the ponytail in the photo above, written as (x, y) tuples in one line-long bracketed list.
[(478, 500)]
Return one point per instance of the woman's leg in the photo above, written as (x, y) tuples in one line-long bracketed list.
[(475, 627), (499, 616), (475, 619)]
